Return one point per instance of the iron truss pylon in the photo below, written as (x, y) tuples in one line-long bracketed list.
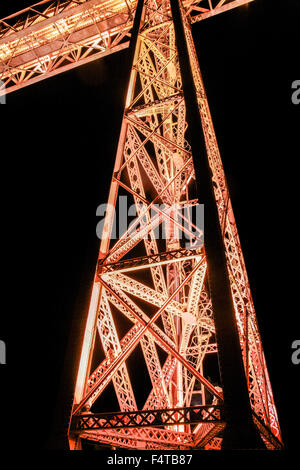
[(163, 286)]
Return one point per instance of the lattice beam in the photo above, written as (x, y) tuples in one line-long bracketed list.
[(146, 418), (52, 37)]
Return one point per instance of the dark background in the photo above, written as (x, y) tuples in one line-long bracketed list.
[(58, 141)]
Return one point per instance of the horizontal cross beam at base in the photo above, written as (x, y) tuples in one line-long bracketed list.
[(163, 417)]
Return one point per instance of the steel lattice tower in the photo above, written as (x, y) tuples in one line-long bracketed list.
[(186, 301)]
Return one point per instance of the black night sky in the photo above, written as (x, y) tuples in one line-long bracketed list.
[(58, 140)]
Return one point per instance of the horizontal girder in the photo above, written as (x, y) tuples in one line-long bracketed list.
[(51, 37), (144, 262), (141, 438), (145, 418)]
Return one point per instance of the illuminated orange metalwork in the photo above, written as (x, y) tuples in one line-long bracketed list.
[(53, 36), (159, 286)]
